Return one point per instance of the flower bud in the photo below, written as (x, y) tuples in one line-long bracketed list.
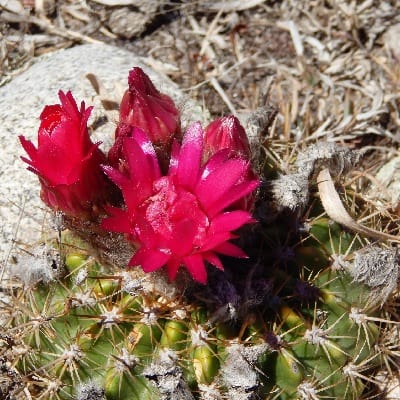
[(226, 133), (144, 107), (66, 161)]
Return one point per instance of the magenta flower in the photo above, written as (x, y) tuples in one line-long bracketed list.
[(181, 218), (226, 133), (66, 160), (144, 107)]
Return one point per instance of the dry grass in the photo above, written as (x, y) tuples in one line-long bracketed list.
[(331, 68)]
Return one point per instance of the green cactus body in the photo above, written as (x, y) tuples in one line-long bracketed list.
[(87, 326)]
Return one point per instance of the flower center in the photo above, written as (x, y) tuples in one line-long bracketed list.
[(172, 219)]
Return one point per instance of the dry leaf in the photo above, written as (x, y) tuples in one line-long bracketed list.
[(336, 211)]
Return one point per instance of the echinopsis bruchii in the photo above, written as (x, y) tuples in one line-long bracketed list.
[(185, 269)]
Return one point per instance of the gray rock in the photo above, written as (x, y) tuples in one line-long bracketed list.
[(21, 102), (387, 191)]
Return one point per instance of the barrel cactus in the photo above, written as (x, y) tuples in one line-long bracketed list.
[(246, 290)]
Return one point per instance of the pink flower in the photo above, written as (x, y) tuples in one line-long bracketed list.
[(66, 160), (144, 107), (226, 133), (181, 218)]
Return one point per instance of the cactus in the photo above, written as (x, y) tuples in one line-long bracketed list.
[(294, 320), (95, 330)]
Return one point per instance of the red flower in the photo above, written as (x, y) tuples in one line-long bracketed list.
[(144, 107), (180, 219), (66, 160), (226, 133)]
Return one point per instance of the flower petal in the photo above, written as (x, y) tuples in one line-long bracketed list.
[(29, 148), (232, 195), (216, 239), (190, 156), (173, 162), (149, 259), (230, 249), (147, 147), (213, 259), (214, 187), (226, 133), (67, 161), (143, 164), (172, 268), (214, 162), (69, 105), (145, 107), (230, 221), (116, 176), (195, 266), (182, 237), (118, 220)]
